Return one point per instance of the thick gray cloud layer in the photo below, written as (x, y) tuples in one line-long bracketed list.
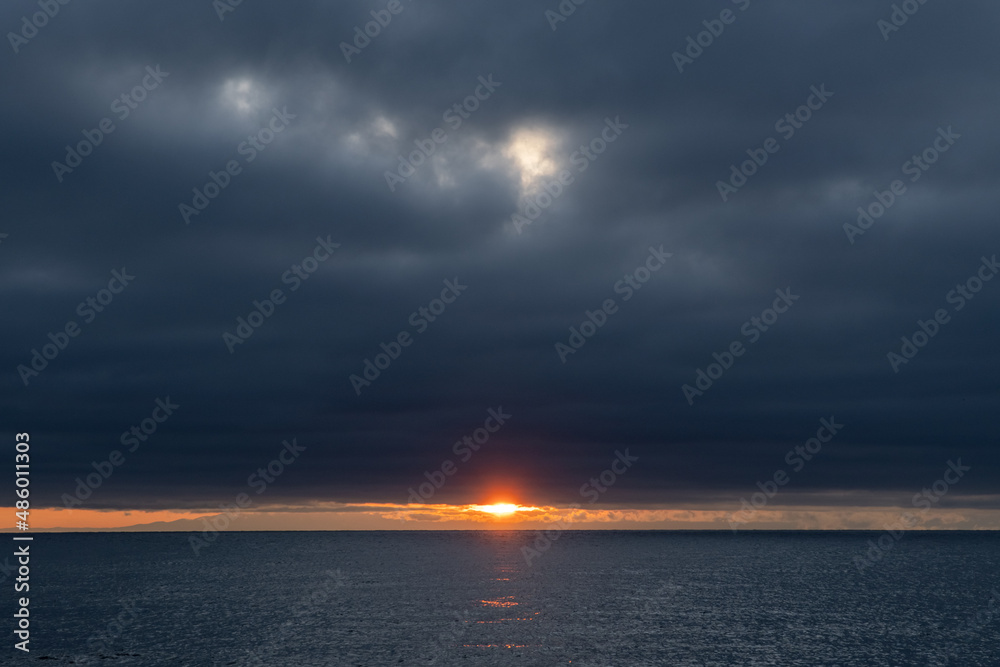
[(324, 176)]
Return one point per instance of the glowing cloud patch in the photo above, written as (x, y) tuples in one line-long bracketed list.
[(530, 151), (242, 94)]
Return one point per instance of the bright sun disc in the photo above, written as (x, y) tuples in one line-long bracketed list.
[(500, 509)]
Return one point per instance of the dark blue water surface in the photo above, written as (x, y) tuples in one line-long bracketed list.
[(591, 599)]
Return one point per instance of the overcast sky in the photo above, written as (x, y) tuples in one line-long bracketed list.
[(662, 129)]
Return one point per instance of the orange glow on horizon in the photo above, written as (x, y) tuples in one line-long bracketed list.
[(499, 513), (88, 519)]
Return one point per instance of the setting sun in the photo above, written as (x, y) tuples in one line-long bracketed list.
[(499, 509)]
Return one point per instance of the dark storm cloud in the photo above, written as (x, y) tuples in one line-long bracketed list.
[(324, 176)]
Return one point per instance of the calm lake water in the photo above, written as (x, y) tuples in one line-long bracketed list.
[(592, 599)]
